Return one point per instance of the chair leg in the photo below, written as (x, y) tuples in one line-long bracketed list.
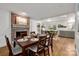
[(36, 54), (52, 47), (48, 52), (10, 54), (44, 52)]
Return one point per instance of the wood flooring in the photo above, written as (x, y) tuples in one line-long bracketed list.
[(61, 47)]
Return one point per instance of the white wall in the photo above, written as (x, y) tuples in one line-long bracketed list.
[(5, 28), (47, 24), (33, 25), (77, 28), (61, 20), (77, 34)]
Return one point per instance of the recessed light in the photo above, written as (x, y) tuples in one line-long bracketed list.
[(63, 16), (23, 13), (71, 20), (49, 20)]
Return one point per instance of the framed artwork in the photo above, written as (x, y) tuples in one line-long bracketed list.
[(21, 21)]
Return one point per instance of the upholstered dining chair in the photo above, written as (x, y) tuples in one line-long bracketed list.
[(49, 41), (39, 46), (13, 51), (33, 34)]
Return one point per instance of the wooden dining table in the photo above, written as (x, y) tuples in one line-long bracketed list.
[(26, 44)]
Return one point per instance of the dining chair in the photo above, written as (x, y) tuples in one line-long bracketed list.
[(49, 41), (33, 34), (13, 51), (39, 47)]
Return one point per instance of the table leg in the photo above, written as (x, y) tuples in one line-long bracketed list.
[(23, 52)]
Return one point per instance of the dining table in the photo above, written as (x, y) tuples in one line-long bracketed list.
[(26, 43)]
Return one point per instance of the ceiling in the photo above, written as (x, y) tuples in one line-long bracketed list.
[(39, 10)]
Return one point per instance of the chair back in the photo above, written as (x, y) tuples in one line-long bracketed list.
[(8, 45), (50, 38), (41, 43), (33, 34)]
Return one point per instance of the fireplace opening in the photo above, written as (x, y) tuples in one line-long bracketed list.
[(21, 34)]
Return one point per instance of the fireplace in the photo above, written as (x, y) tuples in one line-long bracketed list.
[(21, 34)]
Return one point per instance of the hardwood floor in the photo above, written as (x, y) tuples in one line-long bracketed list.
[(61, 47), (4, 51), (64, 47)]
